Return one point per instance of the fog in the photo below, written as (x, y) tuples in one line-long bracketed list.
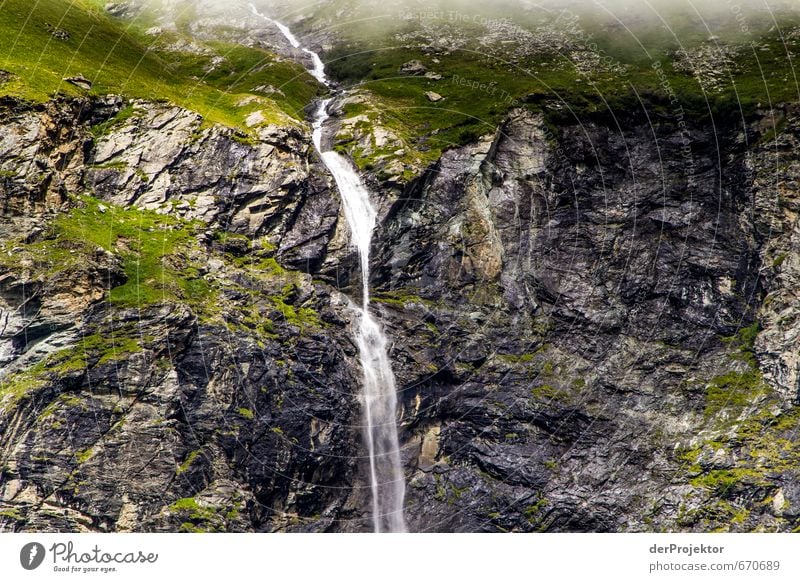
[(598, 6), (711, 15), (619, 7)]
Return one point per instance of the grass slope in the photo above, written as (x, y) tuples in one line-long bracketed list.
[(119, 58)]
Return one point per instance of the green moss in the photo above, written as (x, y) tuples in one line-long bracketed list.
[(189, 527), (224, 236), (742, 344), (82, 456), (534, 513), (244, 138), (63, 402), (246, 413), (96, 349), (232, 514), (125, 114), (302, 317), (91, 350), (714, 516), (260, 265), (721, 481), (455, 492), (399, 298), (733, 392), (190, 459), (12, 513), (187, 504), (441, 492), (153, 248), (113, 351), (547, 393), (119, 166), (517, 358), (15, 387), (202, 517), (779, 260)]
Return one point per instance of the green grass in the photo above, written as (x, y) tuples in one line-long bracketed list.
[(119, 119), (144, 239), (118, 58), (190, 459), (153, 248), (15, 387)]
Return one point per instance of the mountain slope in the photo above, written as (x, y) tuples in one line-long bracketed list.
[(42, 43), (591, 304)]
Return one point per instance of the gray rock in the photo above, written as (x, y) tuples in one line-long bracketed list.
[(414, 67), (79, 81)]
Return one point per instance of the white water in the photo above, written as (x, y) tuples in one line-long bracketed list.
[(380, 395)]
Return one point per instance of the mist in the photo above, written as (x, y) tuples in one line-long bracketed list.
[(710, 15)]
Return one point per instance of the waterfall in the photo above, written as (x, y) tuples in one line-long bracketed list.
[(379, 391)]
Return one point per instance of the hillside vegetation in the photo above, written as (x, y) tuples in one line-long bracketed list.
[(42, 43), (674, 61)]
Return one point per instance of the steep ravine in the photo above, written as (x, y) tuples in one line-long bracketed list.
[(582, 340)]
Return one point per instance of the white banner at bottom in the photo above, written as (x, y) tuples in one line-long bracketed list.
[(369, 557)]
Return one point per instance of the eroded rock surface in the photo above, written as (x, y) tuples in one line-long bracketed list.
[(593, 328)]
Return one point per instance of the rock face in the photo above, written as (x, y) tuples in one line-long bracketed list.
[(594, 329), (577, 316)]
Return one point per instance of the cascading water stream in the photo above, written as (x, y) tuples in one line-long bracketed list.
[(379, 392)]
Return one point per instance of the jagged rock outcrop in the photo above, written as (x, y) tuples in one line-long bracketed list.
[(576, 312)]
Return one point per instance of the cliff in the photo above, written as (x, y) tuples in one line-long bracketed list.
[(593, 325)]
